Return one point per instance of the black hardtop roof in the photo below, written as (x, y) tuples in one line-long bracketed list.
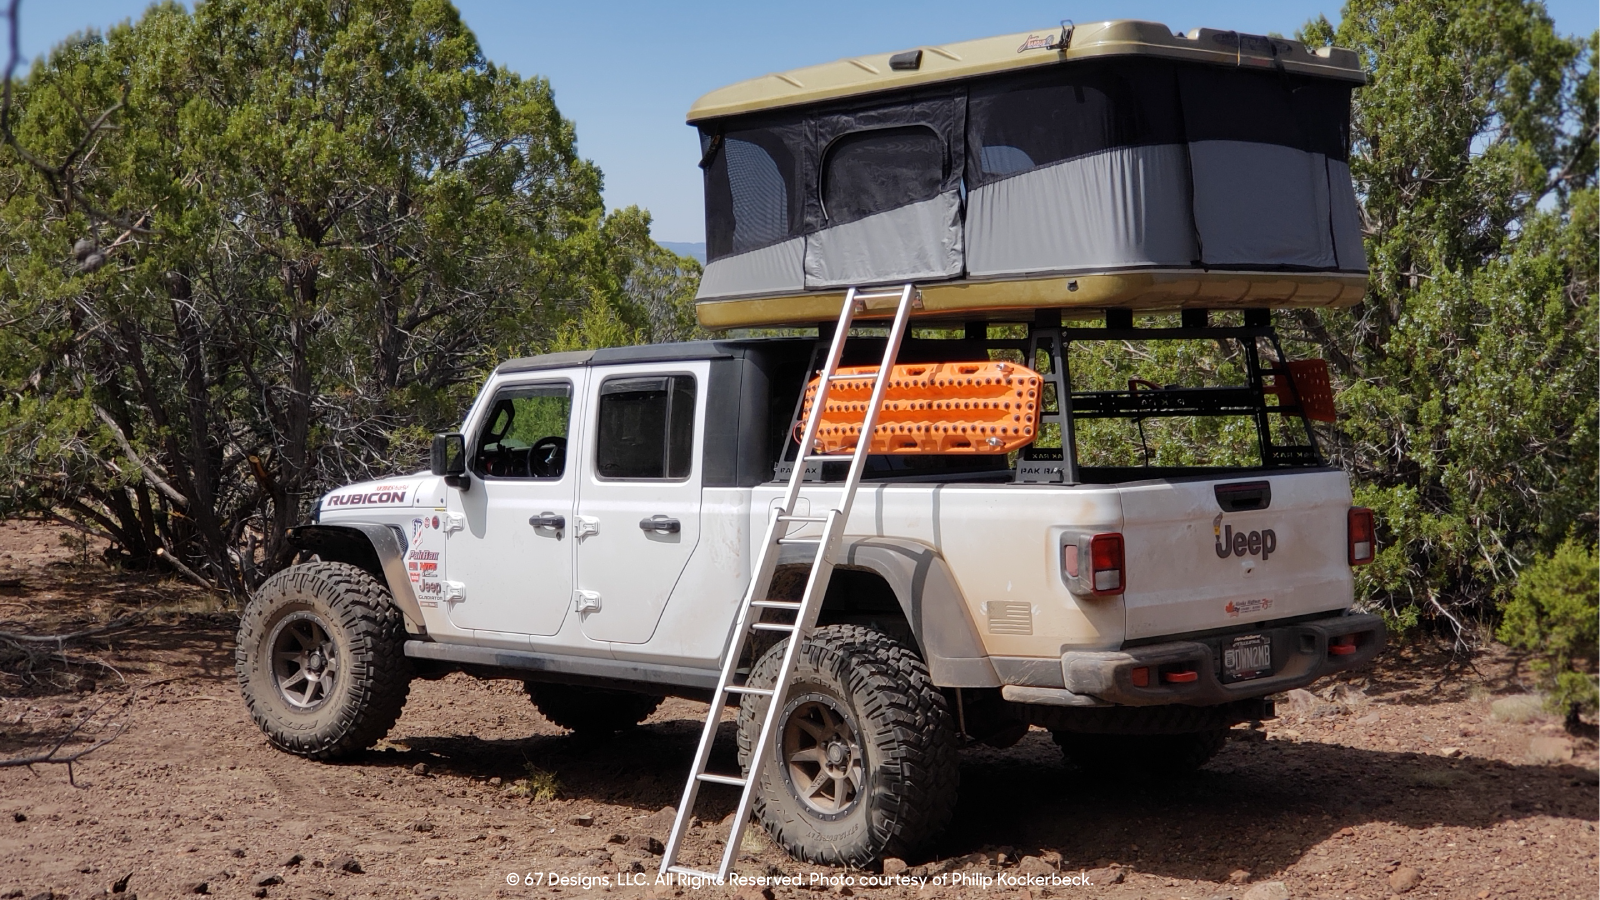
[(680, 350)]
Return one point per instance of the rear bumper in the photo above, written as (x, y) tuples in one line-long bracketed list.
[(1300, 655)]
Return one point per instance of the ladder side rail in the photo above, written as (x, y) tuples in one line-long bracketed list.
[(841, 333), (805, 621), (869, 424), (760, 578)]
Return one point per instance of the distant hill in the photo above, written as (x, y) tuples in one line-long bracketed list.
[(685, 248)]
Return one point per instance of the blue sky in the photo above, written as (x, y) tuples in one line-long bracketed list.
[(626, 72)]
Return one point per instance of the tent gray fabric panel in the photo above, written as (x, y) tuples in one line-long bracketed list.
[(918, 241), (771, 269), (1261, 205), (1128, 206), (1346, 218)]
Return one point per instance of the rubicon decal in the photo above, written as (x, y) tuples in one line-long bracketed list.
[(1261, 543), (374, 497)]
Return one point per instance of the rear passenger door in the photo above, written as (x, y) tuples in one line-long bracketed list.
[(639, 499)]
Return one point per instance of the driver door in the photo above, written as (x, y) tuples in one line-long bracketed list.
[(514, 558)]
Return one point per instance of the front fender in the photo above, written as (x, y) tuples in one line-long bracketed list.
[(932, 603), (370, 546)]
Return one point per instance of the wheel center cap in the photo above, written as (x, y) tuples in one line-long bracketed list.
[(317, 662), (836, 753)]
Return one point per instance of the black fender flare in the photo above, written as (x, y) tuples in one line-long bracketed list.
[(371, 546), (931, 600)]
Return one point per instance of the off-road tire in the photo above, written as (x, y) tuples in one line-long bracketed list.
[(1150, 756), (907, 736), (590, 710), (374, 675)]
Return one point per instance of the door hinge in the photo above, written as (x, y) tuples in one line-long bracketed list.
[(454, 592), (586, 601), (454, 522), (587, 525)]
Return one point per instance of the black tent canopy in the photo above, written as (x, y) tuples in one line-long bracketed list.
[(1188, 172)]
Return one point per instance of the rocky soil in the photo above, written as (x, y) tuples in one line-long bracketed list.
[(1430, 776)]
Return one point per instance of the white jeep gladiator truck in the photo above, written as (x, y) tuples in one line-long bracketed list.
[(590, 531)]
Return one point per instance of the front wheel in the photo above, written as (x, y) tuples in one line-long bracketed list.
[(863, 763), (321, 660)]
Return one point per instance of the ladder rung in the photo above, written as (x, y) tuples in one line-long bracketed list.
[(692, 873), (830, 457), (873, 375), (799, 540), (734, 780), (776, 604), (879, 295), (771, 626), (816, 519), (745, 689)]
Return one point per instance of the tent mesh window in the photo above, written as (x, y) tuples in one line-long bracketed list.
[(1019, 123), (753, 187), (869, 172)]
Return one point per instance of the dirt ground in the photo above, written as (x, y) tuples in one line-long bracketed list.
[(1409, 779)]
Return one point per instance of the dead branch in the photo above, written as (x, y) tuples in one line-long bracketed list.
[(134, 457), (53, 756), (187, 572), (60, 638)]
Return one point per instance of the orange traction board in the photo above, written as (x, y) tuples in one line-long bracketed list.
[(967, 407)]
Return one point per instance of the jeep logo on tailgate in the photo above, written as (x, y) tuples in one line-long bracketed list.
[(1237, 543)]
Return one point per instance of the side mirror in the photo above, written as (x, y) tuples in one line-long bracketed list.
[(449, 458)]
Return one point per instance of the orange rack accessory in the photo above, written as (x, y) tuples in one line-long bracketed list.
[(1308, 378), (973, 407)]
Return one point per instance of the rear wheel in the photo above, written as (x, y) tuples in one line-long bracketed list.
[(1142, 755), (863, 763), (321, 660), (588, 710)]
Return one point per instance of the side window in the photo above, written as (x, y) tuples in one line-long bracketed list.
[(525, 434), (646, 427)]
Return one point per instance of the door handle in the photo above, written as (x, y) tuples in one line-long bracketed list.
[(660, 525), (548, 520)]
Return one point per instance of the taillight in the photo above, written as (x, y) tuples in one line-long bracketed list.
[(1363, 545), (1105, 564)]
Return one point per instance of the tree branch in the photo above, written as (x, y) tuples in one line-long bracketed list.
[(136, 459)]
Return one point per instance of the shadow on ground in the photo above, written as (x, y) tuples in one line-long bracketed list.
[(1259, 806)]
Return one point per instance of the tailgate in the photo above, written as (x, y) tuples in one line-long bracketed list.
[(1194, 566)]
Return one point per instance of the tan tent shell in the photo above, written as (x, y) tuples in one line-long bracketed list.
[(1152, 221), (860, 75)]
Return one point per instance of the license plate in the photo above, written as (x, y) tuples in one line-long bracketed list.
[(1247, 657)]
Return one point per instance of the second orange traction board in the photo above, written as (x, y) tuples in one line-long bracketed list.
[(969, 407)]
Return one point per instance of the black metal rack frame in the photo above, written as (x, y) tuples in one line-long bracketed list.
[(1050, 340)]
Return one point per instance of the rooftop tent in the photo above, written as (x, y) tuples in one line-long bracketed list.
[(1150, 169)]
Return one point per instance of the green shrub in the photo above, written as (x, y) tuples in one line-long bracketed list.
[(1555, 612)]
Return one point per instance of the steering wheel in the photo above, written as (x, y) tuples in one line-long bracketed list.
[(547, 458)]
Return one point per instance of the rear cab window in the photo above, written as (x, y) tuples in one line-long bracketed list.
[(645, 427)]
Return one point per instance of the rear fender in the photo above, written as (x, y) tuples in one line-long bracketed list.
[(932, 603), (372, 547)]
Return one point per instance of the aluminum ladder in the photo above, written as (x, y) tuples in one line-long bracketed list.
[(806, 609)]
